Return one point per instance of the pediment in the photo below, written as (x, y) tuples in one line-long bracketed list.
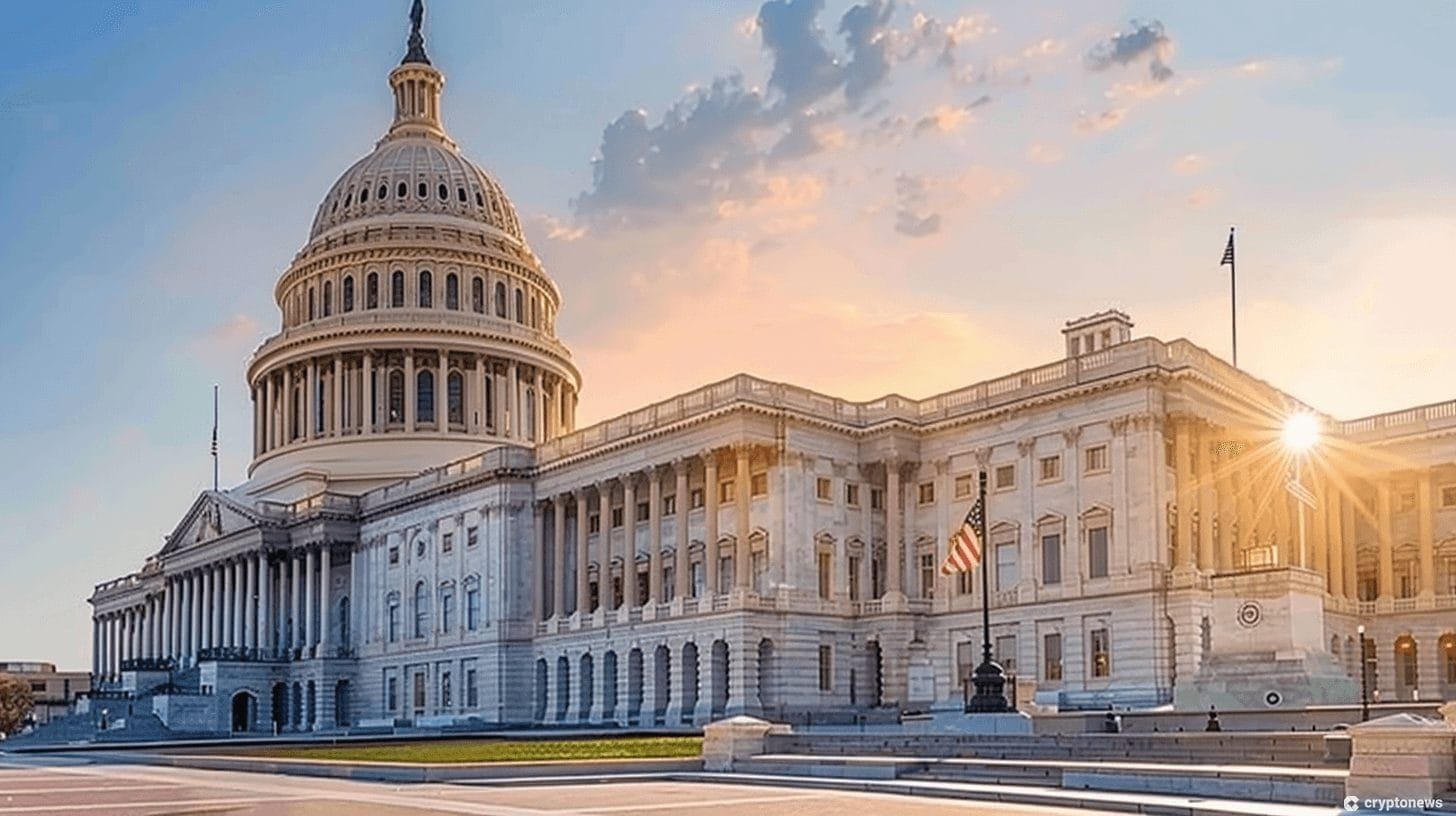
[(213, 515)]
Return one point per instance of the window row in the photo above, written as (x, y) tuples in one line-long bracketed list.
[(446, 699), (1051, 666), (423, 619), (506, 303), (421, 191)]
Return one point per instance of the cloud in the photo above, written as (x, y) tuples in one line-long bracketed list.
[(1100, 122), (921, 200), (1190, 164), (912, 197), (1041, 153), (232, 333), (866, 31), (1123, 48), (948, 118)]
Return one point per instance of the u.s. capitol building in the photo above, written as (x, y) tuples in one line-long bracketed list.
[(427, 537)]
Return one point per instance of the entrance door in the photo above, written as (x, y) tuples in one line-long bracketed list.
[(243, 707)]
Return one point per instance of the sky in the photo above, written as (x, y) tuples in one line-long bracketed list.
[(857, 197)]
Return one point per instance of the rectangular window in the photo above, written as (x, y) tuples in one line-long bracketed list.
[(725, 491), (472, 608), (927, 575), (1097, 552), (668, 587), (826, 668), (927, 492), (394, 622), (1006, 572), (851, 495), (420, 692), (854, 577), (616, 517), (1005, 477), (1448, 496), (445, 697), (696, 495), (391, 695), (644, 509), (1006, 653), (758, 484), (877, 498), (593, 595), (472, 536), (826, 573), (700, 581), (823, 489), (1095, 459), (964, 655), (447, 542), (965, 486), (447, 610), (1051, 558), (1407, 503), (1101, 653), (594, 523), (394, 554), (669, 505), (1051, 657), (1049, 468), (472, 690)]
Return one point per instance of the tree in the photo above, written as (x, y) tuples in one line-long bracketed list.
[(15, 703)]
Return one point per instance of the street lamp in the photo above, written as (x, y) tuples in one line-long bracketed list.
[(1364, 677)]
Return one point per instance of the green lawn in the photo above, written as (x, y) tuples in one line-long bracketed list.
[(500, 750)]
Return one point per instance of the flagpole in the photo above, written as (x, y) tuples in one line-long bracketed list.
[(214, 437), (1234, 297), (989, 679)]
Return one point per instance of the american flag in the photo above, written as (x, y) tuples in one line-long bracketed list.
[(965, 543), (1228, 252)]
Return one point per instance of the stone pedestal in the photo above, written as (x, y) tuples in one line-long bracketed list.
[(735, 739), (1402, 756), (1267, 647)]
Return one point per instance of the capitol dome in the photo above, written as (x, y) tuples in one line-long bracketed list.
[(418, 328)]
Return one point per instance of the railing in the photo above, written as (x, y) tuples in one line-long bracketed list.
[(149, 664), (1402, 423), (234, 654), (413, 319), (313, 505)]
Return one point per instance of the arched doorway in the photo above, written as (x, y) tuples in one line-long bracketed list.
[(767, 694), (539, 712), (609, 686), (689, 674), (719, 702), (341, 704), (245, 709), (1407, 673), (295, 711), (280, 707), (877, 671), (661, 683), (634, 687), (1447, 647), (585, 679), (563, 687)]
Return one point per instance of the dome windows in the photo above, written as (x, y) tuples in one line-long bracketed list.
[(444, 193), (364, 195), (396, 396), (427, 294), (520, 306), (424, 190), (371, 291), (425, 396), (349, 199), (479, 200), (349, 293), (328, 298), (460, 193), (402, 190), (452, 292), (500, 299), (312, 311), (477, 295), (396, 290), (455, 395)]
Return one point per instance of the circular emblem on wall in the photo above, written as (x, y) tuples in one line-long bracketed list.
[(1273, 698), (1250, 614)]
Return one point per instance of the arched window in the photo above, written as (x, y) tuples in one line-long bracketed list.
[(349, 293), (364, 195), (520, 306), (392, 601), (530, 422), (479, 199), (444, 192), (402, 190), (425, 396), (424, 190), (472, 603), (396, 396), (460, 194), (427, 294), (422, 610), (500, 299), (396, 289), (320, 407), (383, 191), (489, 401), (455, 386), (535, 313), (371, 293), (447, 606), (477, 295), (452, 291), (328, 298), (312, 310)]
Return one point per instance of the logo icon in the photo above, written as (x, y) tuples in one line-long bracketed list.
[(1351, 803), (1250, 614)]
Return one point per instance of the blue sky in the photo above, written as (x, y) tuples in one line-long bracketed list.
[(965, 177)]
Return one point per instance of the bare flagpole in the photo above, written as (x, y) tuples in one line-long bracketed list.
[(214, 437)]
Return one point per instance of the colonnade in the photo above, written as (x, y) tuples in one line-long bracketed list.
[(673, 682), (600, 546), (246, 607), (363, 393)]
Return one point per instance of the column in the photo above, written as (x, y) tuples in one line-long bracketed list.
[(167, 628), (409, 391), (1206, 498), (367, 409), (654, 539), (286, 398), (1183, 549), (1331, 521), (540, 595), (682, 573), (194, 624), (1347, 524), (295, 584), (474, 400), (240, 607), (442, 394), (1426, 539), (743, 557), (513, 396), (346, 639), (629, 540), (325, 614), (583, 588), (538, 410), (270, 422), (336, 395), (1383, 532), (208, 633), (710, 522), (95, 649), (310, 624), (1227, 513), (250, 604), (553, 428), (265, 604), (894, 555), (311, 400), (229, 608), (148, 627), (1286, 548), (498, 402), (604, 546), (558, 559), (1244, 499), (1315, 530)]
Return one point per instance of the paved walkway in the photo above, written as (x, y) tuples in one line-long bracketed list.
[(70, 785)]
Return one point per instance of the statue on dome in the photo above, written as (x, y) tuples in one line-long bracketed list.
[(416, 39)]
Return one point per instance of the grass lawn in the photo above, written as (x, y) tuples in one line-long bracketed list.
[(500, 750)]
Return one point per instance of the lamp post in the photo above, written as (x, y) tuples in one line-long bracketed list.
[(989, 679), (1364, 677)]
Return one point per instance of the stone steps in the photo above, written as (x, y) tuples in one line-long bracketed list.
[(1257, 783)]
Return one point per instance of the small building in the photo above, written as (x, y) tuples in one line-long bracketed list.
[(53, 691)]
